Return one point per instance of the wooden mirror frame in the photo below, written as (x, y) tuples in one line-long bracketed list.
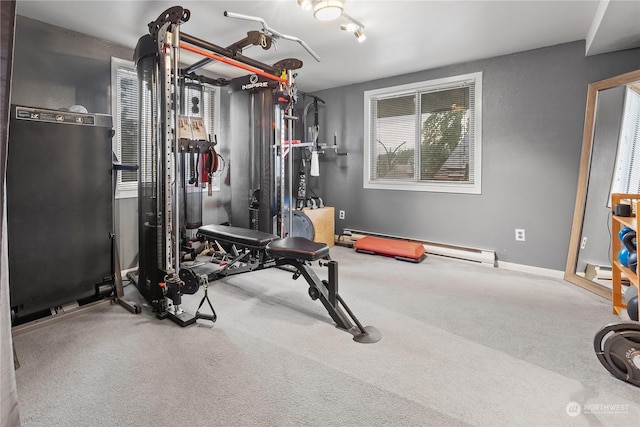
[(583, 181)]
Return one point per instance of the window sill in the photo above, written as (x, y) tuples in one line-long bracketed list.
[(127, 194), (444, 187)]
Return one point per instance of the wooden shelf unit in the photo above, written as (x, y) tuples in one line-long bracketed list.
[(617, 269)]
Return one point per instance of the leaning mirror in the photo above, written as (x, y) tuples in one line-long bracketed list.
[(589, 256)]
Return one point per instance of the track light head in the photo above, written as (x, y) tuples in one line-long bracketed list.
[(353, 26), (306, 5), (350, 27)]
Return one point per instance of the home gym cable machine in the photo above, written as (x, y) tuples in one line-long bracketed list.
[(162, 190), (162, 280)]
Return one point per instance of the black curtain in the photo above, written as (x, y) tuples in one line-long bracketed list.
[(9, 415)]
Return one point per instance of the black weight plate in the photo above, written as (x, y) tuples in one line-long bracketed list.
[(613, 346), (288, 64), (617, 349), (302, 225)]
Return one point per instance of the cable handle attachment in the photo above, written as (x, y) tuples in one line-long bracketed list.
[(273, 33)]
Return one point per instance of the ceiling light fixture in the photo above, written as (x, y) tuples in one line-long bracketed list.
[(327, 10)]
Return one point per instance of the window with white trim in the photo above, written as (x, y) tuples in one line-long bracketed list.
[(626, 174), (124, 107), (425, 136)]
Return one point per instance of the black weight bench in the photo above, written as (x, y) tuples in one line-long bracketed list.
[(251, 250)]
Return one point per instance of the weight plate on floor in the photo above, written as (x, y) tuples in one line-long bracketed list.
[(617, 346)]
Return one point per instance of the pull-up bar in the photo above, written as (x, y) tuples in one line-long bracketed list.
[(232, 62)]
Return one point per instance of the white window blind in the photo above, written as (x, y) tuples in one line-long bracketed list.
[(210, 110), (201, 102), (125, 107), (425, 136), (125, 121), (626, 177)]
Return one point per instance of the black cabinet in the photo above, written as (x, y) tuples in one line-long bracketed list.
[(59, 207)]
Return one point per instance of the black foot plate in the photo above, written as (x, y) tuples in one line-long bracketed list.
[(183, 319), (369, 337)]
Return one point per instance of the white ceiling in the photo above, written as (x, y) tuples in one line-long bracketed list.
[(402, 36)]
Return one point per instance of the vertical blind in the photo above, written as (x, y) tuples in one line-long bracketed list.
[(626, 178)]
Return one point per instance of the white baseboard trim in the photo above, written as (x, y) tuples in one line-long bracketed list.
[(547, 272), (484, 257), (481, 256)]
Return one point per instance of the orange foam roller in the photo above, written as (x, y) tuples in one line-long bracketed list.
[(396, 248)]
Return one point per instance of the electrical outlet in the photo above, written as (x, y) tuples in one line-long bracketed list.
[(520, 234), (584, 243), (341, 214)]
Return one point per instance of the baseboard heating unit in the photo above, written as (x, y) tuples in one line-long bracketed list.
[(481, 256)]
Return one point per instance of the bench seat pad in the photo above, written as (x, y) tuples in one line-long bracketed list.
[(299, 248), (236, 235)]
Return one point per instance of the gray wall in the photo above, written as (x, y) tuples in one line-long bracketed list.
[(533, 115), (57, 68)]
